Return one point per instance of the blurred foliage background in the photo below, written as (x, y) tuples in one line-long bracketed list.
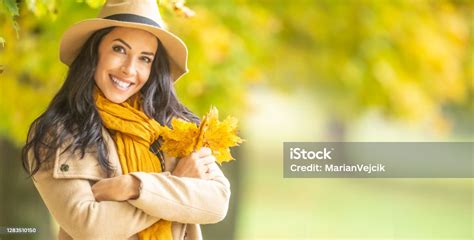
[(304, 70)]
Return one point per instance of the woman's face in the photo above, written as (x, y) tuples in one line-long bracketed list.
[(125, 61)]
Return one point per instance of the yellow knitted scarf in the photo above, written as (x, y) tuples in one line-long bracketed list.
[(134, 132)]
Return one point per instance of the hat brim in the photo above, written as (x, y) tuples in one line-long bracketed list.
[(74, 38)]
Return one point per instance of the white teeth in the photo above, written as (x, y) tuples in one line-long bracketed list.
[(121, 84)]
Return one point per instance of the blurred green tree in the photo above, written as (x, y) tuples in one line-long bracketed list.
[(412, 60)]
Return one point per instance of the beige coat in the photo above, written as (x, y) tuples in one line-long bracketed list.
[(65, 186)]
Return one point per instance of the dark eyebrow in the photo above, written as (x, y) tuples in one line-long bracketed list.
[(122, 41), (126, 44)]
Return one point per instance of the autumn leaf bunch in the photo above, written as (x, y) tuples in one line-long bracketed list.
[(185, 137)]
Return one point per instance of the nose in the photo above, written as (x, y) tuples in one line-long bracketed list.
[(128, 67)]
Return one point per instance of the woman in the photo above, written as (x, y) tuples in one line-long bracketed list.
[(94, 153)]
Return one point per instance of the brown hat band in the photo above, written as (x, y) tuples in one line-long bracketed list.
[(127, 17)]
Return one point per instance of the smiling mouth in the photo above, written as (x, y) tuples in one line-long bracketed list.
[(120, 83)]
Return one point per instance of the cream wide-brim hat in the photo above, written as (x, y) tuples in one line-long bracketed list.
[(138, 14)]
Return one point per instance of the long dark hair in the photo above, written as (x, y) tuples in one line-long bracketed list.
[(73, 118)]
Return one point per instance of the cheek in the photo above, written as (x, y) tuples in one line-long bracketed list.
[(98, 73), (144, 75), (104, 64), (101, 67), (108, 61)]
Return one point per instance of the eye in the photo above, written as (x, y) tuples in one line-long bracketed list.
[(118, 49), (146, 59)]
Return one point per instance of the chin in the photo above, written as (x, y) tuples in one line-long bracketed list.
[(116, 99)]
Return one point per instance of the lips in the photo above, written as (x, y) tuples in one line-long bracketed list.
[(120, 83)]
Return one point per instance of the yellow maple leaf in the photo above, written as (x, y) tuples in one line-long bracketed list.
[(178, 141), (202, 129), (184, 137), (220, 136)]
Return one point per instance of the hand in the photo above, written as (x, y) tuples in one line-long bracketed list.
[(199, 164), (120, 188)]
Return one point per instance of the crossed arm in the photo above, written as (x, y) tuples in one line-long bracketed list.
[(191, 194), (196, 191), (200, 165)]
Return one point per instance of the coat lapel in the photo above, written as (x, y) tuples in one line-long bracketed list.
[(68, 165)]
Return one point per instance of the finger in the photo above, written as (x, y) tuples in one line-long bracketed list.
[(193, 156), (98, 198), (204, 151), (213, 167), (201, 172), (203, 169), (96, 187), (97, 195), (211, 174), (207, 160)]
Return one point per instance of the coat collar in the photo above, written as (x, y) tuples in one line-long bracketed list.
[(68, 165)]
